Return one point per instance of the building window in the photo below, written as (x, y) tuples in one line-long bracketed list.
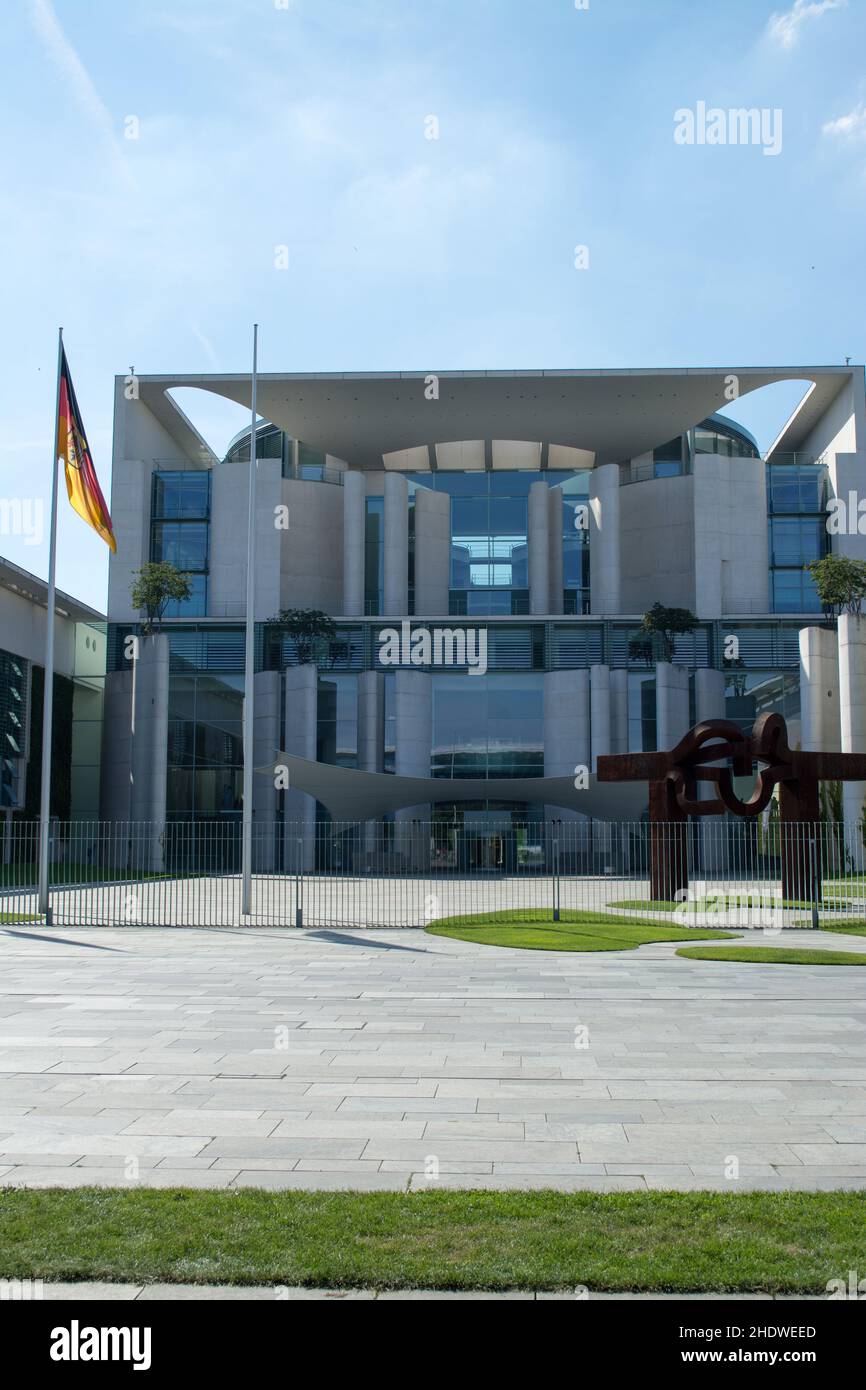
[(796, 505), (374, 555), (669, 460), (180, 533), (337, 721), (575, 545)]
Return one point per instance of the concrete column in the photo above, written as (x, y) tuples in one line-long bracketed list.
[(554, 499), (413, 708), (600, 712), (267, 742), (371, 738), (301, 721), (709, 694), (619, 711), (371, 721), (600, 740), (852, 718), (539, 549), (820, 729), (432, 552), (354, 526), (604, 539), (672, 704), (116, 761), (567, 746), (710, 704), (396, 557), (567, 743), (846, 483), (149, 745)]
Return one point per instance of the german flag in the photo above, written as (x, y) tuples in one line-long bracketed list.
[(82, 484)]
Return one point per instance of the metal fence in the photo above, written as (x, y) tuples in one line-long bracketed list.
[(409, 872)]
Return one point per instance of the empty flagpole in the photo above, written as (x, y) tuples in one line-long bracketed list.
[(48, 688), (249, 657)]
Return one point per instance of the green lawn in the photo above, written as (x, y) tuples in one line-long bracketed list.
[(778, 1241), (577, 931), (852, 928), (720, 900), (7, 917), (772, 955)]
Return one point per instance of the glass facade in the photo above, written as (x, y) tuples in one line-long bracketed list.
[(14, 682), (671, 459), (715, 435), (575, 543), (180, 533), (797, 521), (751, 693), (337, 721), (271, 443), (205, 746), (488, 726), (490, 537), (374, 555)]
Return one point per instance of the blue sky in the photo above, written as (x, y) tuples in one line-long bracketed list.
[(305, 126)]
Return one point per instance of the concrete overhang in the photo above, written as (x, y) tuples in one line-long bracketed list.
[(614, 415), (35, 590), (350, 795)]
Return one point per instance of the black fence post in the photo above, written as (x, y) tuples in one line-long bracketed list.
[(299, 910)]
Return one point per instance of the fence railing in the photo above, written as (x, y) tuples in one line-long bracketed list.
[(409, 872)]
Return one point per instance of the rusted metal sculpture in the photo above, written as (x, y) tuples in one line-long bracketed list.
[(718, 751)]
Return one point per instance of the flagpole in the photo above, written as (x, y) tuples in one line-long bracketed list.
[(48, 687), (249, 657)]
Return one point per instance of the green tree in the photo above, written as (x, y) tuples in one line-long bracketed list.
[(668, 624), (309, 627), (154, 587), (840, 581)]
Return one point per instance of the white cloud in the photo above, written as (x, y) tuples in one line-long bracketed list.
[(785, 28), (48, 27), (209, 349), (850, 127)]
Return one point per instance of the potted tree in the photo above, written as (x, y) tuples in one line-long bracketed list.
[(154, 587), (308, 628), (666, 624)]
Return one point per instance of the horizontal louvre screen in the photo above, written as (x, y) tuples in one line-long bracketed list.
[(573, 645)]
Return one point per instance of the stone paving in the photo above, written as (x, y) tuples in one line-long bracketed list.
[(173, 1293), (393, 1060)]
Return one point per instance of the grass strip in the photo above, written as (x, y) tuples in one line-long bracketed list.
[(530, 930), (760, 1241), (774, 955)]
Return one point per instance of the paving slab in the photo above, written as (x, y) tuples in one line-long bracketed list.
[(404, 1049)]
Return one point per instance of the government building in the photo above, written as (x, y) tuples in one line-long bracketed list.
[(486, 544)]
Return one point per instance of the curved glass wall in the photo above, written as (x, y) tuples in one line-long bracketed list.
[(271, 443), (488, 726), (715, 435), (718, 435)]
